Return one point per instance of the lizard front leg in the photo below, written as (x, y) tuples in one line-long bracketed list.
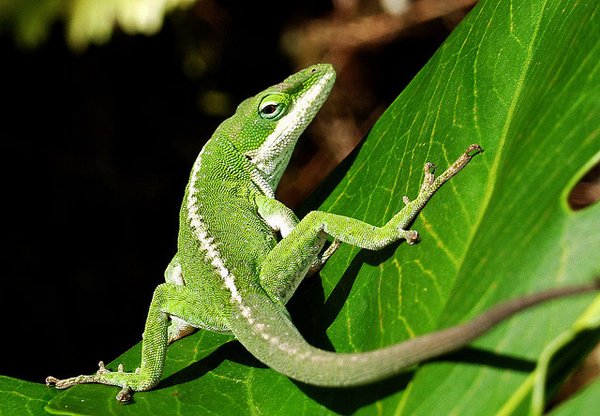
[(361, 234), (297, 253), (283, 220)]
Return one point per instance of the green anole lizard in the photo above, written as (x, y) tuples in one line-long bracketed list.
[(242, 254)]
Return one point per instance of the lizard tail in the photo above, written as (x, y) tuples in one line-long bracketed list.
[(266, 330)]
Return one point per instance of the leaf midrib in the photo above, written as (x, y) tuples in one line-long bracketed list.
[(495, 166)]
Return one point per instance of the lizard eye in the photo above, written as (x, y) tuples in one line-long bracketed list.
[(271, 107)]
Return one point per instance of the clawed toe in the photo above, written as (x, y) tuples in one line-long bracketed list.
[(58, 383), (52, 381), (101, 368), (411, 236), (124, 396)]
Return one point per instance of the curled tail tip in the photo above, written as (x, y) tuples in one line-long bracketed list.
[(474, 149)]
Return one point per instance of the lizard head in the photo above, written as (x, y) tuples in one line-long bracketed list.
[(266, 127)]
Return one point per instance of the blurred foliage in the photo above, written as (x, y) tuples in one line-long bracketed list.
[(86, 21), (346, 33)]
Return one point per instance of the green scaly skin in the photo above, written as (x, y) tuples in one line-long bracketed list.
[(242, 254)]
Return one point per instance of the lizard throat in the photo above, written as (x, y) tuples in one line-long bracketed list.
[(273, 155), (261, 182)]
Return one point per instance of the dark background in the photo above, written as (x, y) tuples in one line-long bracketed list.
[(96, 150)]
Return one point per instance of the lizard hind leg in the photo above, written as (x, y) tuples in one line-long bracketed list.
[(178, 328), (167, 299)]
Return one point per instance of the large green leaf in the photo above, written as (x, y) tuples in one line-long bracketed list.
[(19, 397), (521, 79)]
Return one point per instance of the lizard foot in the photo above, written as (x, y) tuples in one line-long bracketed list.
[(411, 236), (429, 186), (129, 382), (431, 183)]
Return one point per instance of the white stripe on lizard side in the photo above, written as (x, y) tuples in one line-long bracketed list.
[(202, 235), (207, 244)]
